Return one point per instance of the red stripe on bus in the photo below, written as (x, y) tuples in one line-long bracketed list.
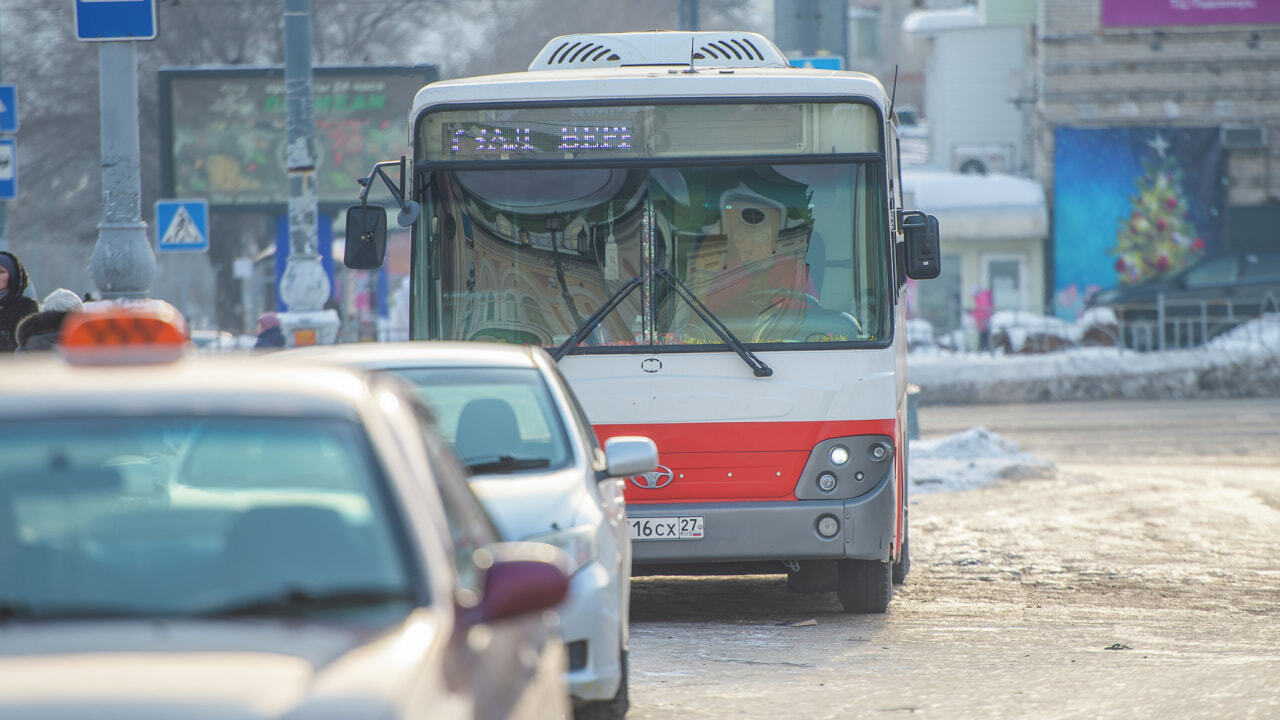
[(735, 461)]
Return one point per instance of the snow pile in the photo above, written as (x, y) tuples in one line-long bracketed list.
[(967, 460), (1242, 363)]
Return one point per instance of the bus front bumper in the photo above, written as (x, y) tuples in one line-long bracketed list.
[(755, 531)]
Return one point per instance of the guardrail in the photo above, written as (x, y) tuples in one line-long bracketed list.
[(1179, 324)]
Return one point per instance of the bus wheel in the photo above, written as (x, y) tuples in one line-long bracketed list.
[(864, 586), (903, 566)]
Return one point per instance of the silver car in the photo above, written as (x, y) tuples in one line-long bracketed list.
[(538, 468), (231, 538)]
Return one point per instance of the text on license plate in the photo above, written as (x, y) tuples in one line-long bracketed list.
[(666, 528)]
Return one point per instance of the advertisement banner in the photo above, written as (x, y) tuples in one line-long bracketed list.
[(1132, 206), (224, 131), (1156, 13)]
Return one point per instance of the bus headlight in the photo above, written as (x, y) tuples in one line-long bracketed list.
[(878, 451), (839, 455), (826, 482)]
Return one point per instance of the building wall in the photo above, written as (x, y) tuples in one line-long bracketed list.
[(1174, 76), (973, 76)]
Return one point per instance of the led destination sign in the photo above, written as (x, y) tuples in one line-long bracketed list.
[(648, 131), (478, 140)]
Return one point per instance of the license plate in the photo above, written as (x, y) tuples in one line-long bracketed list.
[(666, 528)]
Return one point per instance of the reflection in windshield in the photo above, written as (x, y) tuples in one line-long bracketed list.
[(779, 253), (180, 516)]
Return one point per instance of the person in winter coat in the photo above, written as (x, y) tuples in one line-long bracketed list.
[(41, 330), (270, 334), (14, 306)]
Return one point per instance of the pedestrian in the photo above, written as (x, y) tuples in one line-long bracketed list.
[(41, 331), (982, 310), (270, 335), (14, 306)]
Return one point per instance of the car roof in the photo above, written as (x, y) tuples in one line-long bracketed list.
[(420, 353), (34, 386)]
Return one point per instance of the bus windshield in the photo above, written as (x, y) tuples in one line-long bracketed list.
[(782, 253)]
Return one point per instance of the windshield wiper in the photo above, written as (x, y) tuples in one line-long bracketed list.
[(504, 464), (752, 360), (596, 318), (296, 601), (20, 611)]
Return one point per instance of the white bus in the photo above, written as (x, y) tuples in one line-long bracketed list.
[(712, 243)]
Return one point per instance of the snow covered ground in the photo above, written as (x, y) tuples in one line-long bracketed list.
[(969, 459), (1241, 363)]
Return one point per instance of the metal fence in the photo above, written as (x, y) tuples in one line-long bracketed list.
[(1176, 324)]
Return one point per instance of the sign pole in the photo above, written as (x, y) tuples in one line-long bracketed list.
[(305, 285), (122, 263)]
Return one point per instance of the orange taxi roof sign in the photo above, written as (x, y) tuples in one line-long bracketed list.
[(123, 332)]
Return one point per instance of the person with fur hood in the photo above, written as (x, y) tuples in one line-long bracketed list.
[(42, 330), (14, 306)]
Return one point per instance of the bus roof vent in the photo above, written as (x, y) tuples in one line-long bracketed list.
[(659, 47)]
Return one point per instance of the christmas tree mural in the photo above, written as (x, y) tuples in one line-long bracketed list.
[(1156, 239)]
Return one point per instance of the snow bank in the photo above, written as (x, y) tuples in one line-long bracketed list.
[(967, 460), (1242, 363)]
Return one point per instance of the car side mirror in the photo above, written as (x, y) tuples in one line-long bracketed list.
[(519, 578), (366, 244), (922, 255), (625, 456)]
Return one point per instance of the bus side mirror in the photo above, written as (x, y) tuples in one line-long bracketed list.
[(923, 258), (366, 244)]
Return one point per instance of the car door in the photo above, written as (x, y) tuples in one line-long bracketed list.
[(504, 662)]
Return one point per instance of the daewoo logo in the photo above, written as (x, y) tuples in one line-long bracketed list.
[(655, 479)]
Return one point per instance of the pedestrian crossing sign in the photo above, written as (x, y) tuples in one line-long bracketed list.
[(182, 225)]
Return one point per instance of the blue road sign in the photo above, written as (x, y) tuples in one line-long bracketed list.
[(182, 225), (8, 108), (819, 62), (115, 20), (8, 168)]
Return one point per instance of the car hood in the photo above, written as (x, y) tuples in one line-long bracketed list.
[(532, 503), (250, 669)]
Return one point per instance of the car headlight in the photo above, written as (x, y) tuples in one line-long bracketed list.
[(579, 543)]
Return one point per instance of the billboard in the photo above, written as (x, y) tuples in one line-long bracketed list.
[(1157, 13), (223, 131), (1133, 205)]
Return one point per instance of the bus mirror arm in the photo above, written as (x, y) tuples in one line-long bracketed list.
[(758, 366), (409, 210)]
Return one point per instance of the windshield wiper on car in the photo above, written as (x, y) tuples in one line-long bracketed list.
[(596, 318), (296, 601), (752, 360), (504, 464), (20, 611)]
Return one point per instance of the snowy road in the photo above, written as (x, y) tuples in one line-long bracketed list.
[(1141, 581)]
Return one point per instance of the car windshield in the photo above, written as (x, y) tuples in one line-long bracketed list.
[(186, 517), (498, 420)]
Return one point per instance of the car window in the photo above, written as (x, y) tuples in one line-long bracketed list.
[(470, 527), (194, 516), (1214, 272), (497, 420)]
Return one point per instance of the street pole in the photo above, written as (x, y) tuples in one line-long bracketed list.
[(304, 286), (122, 263), (4, 204)]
